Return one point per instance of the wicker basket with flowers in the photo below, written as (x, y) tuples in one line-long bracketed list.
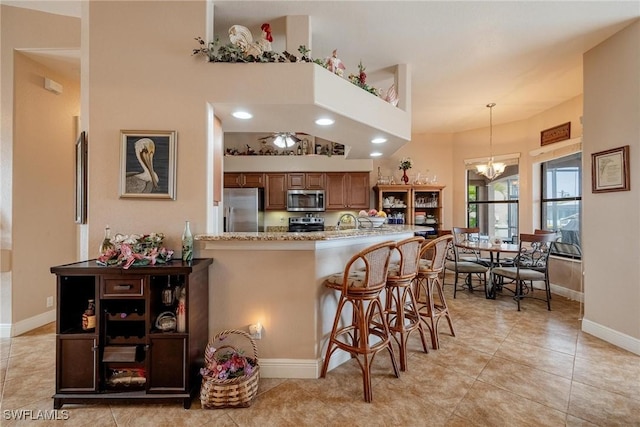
[(229, 378)]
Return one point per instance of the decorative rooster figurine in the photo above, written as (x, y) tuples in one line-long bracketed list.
[(241, 37)]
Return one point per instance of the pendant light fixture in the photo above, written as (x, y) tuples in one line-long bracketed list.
[(491, 170)]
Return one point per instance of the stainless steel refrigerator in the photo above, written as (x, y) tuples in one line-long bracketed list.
[(243, 209)]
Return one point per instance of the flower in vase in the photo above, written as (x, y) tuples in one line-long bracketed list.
[(405, 164)]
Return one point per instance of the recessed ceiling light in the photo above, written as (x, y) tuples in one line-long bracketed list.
[(242, 115), (376, 154), (378, 140), (325, 122)]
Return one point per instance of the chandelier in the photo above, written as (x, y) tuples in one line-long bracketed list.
[(491, 170), (285, 139)]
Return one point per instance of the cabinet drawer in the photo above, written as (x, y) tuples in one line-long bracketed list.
[(129, 287)]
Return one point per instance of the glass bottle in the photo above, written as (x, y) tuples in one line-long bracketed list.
[(106, 241), (167, 294), (187, 243), (181, 311), (89, 316)]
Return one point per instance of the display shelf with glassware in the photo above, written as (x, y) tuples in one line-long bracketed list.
[(426, 207), (394, 200), (416, 204), (119, 334)]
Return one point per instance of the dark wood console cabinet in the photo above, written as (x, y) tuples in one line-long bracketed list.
[(127, 356)]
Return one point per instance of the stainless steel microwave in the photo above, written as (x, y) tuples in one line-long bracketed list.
[(305, 200)]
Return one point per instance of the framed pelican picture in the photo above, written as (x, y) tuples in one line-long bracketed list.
[(148, 164)]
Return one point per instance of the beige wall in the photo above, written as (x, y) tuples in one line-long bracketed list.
[(567, 274), (36, 151), (611, 224), (512, 138), (43, 190), (432, 156), (144, 78)]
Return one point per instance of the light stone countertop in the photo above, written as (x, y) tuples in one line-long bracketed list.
[(313, 236)]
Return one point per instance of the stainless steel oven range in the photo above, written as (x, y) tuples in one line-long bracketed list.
[(305, 224)]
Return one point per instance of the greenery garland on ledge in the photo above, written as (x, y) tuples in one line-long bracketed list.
[(215, 51)]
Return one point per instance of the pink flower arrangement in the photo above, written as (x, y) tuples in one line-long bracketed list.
[(135, 249), (228, 365)]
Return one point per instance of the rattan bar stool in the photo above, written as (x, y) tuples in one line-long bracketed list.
[(432, 304), (368, 332), (401, 306)]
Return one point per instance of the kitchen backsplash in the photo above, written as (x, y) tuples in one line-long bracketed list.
[(277, 219)]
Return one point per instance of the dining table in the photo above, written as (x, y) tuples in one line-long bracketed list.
[(494, 249)]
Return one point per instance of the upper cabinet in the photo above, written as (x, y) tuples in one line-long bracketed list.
[(348, 190), (248, 180), (276, 191), (305, 181), (343, 190)]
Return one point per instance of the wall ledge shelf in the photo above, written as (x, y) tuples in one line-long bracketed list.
[(279, 94), (311, 163)]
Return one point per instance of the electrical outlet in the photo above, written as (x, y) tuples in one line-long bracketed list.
[(255, 331), (49, 301)]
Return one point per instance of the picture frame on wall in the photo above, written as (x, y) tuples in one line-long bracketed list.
[(148, 164), (81, 179), (610, 170), (555, 134)]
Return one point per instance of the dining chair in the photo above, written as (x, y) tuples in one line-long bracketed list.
[(368, 332), (530, 265), (432, 304), (466, 262), (401, 307), (467, 234)]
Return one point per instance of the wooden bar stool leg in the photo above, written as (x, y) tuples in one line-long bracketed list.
[(403, 318), (443, 308), (331, 347)]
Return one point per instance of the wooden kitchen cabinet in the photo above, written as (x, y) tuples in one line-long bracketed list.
[(347, 190), (305, 181), (275, 191), (126, 355), (246, 180)]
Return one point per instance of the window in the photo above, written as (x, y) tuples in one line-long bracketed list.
[(492, 206), (562, 200)]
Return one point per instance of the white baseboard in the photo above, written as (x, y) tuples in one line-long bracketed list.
[(611, 336), (299, 368), (567, 293), (289, 368), (5, 330), (8, 330)]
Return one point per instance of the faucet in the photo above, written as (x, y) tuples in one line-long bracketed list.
[(355, 220)]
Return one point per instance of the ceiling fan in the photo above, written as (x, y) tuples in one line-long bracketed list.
[(283, 139)]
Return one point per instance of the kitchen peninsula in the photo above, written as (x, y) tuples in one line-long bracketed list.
[(276, 279)]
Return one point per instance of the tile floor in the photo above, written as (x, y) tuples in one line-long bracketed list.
[(503, 368)]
